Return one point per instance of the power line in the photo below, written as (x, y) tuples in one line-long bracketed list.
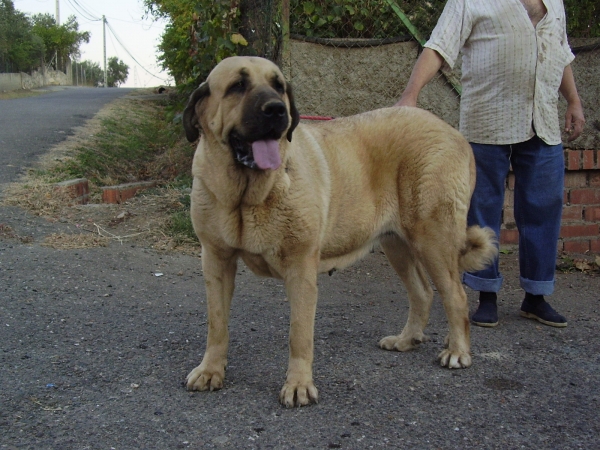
[(110, 28), (83, 11)]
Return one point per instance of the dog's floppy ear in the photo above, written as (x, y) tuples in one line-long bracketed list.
[(190, 119), (293, 112)]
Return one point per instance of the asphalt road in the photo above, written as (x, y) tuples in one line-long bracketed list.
[(30, 126), (95, 346)]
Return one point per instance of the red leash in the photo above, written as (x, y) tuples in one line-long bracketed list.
[(316, 118)]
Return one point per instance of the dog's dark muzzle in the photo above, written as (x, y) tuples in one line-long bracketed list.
[(276, 111), (255, 144)]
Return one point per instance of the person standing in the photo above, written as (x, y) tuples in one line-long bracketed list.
[(515, 61)]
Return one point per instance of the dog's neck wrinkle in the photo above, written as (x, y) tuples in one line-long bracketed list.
[(258, 187)]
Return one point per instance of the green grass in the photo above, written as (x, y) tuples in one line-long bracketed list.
[(21, 93), (180, 227), (137, 140), (134, 144)]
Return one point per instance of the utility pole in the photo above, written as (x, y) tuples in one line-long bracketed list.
[(104, 39)]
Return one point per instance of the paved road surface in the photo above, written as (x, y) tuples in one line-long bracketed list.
[(94, 348), (32, 125)]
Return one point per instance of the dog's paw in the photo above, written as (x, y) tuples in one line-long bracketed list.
[(454, 360), (203, 379), (298, 394), (402, 343)]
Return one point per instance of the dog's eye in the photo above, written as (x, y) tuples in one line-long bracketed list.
[(238, 87), (279, 87)]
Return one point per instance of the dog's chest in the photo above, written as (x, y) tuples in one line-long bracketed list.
[(251, 229)]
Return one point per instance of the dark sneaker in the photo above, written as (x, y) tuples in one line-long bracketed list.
[(537, 308), (487, 312)]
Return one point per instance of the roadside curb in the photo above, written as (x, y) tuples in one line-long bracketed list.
[(77, 189), (123, 192)]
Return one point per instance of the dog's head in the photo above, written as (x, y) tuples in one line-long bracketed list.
[(245, 104)]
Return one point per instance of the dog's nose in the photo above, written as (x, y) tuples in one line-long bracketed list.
[(274, 109)]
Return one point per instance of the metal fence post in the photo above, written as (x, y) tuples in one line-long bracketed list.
[(286, 63)]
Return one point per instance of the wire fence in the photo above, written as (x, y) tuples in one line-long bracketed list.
[(345, 56), (348, 56)]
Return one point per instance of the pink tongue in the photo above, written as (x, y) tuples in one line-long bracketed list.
[(266, 154)]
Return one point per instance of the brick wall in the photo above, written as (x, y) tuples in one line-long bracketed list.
[(580, 229)]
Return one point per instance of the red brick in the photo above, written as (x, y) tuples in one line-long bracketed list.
[(509, 237), (591, 214), (595, 178), (595, 245), (572, 213), (588, 160), (573, 160), (123, 192), (584, 230), (589, 196), (577, 246), (576, 179), (78, 189)]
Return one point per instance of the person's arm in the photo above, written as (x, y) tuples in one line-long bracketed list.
[(427, 65), (574, 118)]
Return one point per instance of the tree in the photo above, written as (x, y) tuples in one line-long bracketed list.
[(583, 18), (198, 34), (60, 40), (116, 72), (20, 49), (91, 73)]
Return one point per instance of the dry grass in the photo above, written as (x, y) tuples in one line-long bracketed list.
[(128, 140), (6, 232), (73, 241), (22, 93)]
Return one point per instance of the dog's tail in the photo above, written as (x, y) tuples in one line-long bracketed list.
[(481, 248)]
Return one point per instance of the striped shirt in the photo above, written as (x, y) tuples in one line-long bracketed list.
[(511, 70)]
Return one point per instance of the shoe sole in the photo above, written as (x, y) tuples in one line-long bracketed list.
[(485, 324), (545, 322)]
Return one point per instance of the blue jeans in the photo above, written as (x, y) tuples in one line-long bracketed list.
[(539, 182)]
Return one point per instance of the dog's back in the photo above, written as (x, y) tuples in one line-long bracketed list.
[(389, 170)]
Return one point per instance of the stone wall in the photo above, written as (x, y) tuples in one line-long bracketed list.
[(16, 81), (330, 80)]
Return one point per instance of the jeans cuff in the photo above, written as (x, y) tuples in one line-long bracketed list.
[(482, 284), (537, 287)]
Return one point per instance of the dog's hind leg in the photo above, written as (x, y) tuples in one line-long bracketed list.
[(440, 258), (219, 270), (420, 294)]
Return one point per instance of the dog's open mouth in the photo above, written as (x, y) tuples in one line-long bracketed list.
[(261, 154)]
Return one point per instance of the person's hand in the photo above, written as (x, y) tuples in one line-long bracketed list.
[(574, 120)]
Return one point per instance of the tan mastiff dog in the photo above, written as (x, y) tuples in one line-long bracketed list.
[(293, 200)]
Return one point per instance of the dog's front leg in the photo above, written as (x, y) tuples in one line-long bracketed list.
[(301, 288), (219, 269)]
